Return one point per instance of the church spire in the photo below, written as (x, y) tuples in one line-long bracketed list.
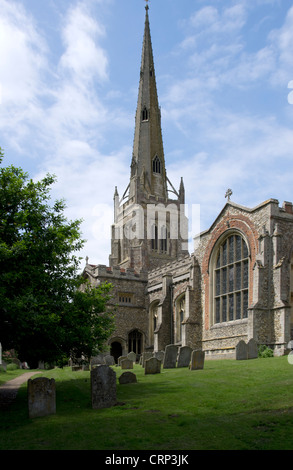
[(148, 174)]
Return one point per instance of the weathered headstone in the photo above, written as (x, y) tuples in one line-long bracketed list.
[(241, 351), (131, 356), (152, 366), (120, 358), (252, 351), (184, 356), (126, 364), (127, 378), (170, 357), (144, 357), (197, 359), (103, 387), (160, 355), (290, 344), (109, 360), (41, 397)]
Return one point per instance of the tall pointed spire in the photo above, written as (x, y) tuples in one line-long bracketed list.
[(148, 174), (148, 226)]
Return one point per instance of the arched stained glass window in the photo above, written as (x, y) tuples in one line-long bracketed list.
[(231, 277)]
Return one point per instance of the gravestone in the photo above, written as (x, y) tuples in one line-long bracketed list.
[(103, 387), (121, 359), (96, 360), (252, 352), (131, 356), (152, 366), (144, 357), (127, 378), (109, 360), (126, 364), (290, 344), (197, 359), (159, 355), (184, 356), (241, 351), (170, 356), (41, 397)]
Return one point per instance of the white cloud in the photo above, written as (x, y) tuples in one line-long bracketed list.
[(83, 57)]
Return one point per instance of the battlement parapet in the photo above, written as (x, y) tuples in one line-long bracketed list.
[(121, 273)]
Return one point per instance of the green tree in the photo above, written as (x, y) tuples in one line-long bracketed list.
[(43, 313)]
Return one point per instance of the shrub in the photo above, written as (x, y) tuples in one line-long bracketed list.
[(12, 366), (265, 351)]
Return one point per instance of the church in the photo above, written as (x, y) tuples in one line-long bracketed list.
[(236, 285)]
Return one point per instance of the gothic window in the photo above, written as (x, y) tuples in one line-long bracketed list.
[(153, 320), (230, 279), (156, 165), (179, 317), (154, 237), (163, 239), (145, 114), (135, 342)]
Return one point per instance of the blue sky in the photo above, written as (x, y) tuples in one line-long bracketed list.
[(68, 92)]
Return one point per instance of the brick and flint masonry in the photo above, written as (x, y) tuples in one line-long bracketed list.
[(153, 459)]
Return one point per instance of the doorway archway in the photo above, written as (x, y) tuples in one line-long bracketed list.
[(116, 350)]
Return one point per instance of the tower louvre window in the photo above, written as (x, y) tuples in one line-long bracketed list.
[(156, 165), (145, 114)]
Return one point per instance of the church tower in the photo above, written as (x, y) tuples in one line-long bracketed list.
[(149, 228)]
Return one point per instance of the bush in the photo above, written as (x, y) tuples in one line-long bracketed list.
[(2, 369), (12, 366), (265, 351)]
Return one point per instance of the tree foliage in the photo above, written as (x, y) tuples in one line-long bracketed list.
[(43, 313)]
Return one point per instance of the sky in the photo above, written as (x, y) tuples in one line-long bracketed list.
[(69, 76)]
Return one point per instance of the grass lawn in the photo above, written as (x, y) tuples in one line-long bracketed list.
[(228, 405)]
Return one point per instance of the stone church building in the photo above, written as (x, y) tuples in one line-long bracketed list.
[(236, 285)]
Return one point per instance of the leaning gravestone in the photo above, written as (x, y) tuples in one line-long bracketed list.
[(184, 356), (126, 364), (41, 397), (152, 366), (241, 351), (170, 357), (103, 387), (197, 360), (252, 352), (127, 378)]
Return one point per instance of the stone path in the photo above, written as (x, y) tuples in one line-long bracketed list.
[(8, 391)]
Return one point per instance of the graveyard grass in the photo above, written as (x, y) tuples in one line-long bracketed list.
[(227, 405)]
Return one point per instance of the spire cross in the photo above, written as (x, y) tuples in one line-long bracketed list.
[(228, 193)]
